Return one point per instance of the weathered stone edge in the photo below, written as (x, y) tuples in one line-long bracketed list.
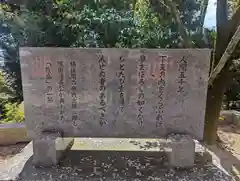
[(230, 117), (12, 133)]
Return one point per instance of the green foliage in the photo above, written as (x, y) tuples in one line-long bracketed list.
[(90, 23), (100, 28), (153, 31), (232, 6), (6, 93), (10, 112), (189, 14), (13, 113), (10, 28)]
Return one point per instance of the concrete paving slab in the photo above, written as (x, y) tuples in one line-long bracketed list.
[(135, 164)]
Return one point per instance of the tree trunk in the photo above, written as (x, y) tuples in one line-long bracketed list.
[(216, 89), (215, 97)]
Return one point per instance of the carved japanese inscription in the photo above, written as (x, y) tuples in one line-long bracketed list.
[(102, 88), (73, 75), (182, 68), (121, 77), (115, 92), (140, 95), (161, 90), (49, 94), (61, 90)]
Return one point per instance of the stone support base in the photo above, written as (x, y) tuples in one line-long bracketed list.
[(182, 153), (49, 148)]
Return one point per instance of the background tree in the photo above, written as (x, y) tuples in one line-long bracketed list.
[(226, 50), (71, 23), (9, 44), (136, 23)]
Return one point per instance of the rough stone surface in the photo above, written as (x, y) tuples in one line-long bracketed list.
[(49, 148), (12, 133), (129, 165), (236, 119), (226, 116), (230, 117), (182, 154), (115, 92)]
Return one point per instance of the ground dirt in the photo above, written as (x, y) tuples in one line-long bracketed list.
[(7, 152), (229, 139), (228, 148)]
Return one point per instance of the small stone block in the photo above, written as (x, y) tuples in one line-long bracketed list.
[(183, 151), (49, 148), (12, 133)]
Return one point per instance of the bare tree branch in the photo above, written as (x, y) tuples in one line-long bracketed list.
[(226, 56), (171, 7), (225, 32), (134, 4), (225, 29), (176, 15), (233, 23), (203, 12), (156, 7)]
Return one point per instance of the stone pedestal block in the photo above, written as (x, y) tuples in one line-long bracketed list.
[(182, 153), (12, 133), (49, 148)]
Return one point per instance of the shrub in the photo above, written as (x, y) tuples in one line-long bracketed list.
[(13, 113), (6, 93)]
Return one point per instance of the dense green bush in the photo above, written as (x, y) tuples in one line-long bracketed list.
[(13, 113), (9, 111)]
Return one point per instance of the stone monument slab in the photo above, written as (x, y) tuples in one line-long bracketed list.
[(121, 93), (115, 92)]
